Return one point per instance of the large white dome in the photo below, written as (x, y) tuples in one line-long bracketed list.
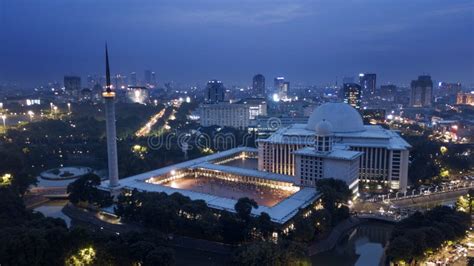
[(343, 118)]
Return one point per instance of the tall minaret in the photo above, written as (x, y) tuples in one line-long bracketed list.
[(109, 99)]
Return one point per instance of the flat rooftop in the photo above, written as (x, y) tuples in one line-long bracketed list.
[(280, 204)]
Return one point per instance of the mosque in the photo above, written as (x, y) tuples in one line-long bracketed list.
[(280, 174)]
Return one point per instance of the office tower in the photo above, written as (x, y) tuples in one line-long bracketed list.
[(449, 89), (278, 83), (258, 85), (153, 79), (133, 79), (215, 91), (109, 99), (282, 87), (388, 92), (351, 94), (368, 82), (421, 92), (72, 85), (285, 90), (147, 77)]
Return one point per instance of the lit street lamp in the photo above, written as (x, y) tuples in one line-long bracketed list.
[(31, 114), (69, 108), (4, 118)]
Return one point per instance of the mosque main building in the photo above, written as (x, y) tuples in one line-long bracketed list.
[(382, 154)]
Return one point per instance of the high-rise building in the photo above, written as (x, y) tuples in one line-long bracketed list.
[(285, 89), (449, 89), (351, 93), (368, 82), (133, 79), (153, 79), (147, 77), (421, 92), (258, 85), (72, 85), (280, 87), (215, 91)]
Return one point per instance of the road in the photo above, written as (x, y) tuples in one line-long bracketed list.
[(145, 130)]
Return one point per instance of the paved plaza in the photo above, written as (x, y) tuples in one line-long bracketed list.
[(263, 195)]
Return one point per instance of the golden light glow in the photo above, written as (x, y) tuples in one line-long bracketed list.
[(108, 94), (6, 179), (85, 256)]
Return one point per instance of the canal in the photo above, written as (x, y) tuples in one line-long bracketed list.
[(361, 246), (53, 208)]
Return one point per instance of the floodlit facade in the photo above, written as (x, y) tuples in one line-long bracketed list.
[(384, 155), (327, 160), (224, 115)]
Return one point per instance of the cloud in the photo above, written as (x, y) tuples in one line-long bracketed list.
[(250, 16)]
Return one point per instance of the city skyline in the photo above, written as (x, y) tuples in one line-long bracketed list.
[(303, 41)]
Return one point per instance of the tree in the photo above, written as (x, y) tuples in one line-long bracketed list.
[(265, 225), (244, 206), (269, 253), (12, 209), (304, 230), (400, 249), (334, 193), (84, 189), (160, 257)]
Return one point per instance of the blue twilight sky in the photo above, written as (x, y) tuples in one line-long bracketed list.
[(311, 42)]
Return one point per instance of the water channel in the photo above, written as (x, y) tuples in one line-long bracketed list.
[(361, 246)]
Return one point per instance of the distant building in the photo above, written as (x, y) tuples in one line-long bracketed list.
[(285, 90), (257, 107), (137, 94), (72, 85), (465, 98), (133, 79), (258, 85), (153, 79), (279, 83), (224, 115), (147, 77), (449, 89), (421, 92), (388, 92), (215, 91), (351, 94), (368, 82)]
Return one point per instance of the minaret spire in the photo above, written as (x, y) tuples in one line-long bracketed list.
[(108, 87), (109, 99)]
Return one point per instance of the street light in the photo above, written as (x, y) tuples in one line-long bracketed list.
[(31, 114), (4, 117), (69, 107)]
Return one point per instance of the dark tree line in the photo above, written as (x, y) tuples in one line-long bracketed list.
[(422, 232), (176, 213), (28, 238)]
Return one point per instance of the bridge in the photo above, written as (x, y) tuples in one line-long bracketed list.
[(461, 187)]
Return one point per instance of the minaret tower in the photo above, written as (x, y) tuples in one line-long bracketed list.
[(109, 99)]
